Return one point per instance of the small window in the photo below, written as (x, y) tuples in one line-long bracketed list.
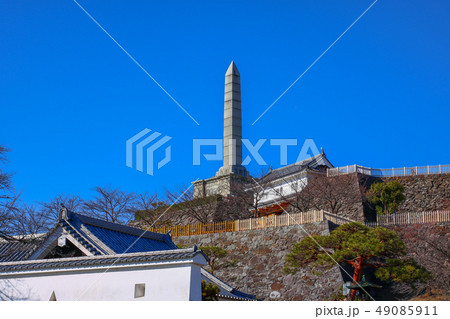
[(139, 290)]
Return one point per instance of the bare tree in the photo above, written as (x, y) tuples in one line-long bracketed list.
[(148, 210), (18, 221), (429, 245), (111, 204), (200, 209), (8, 215), (251, 194), (9, 200), (335, 194), (296, 193), (245, 195), (238, 205), (5, 177), (73, 203), (29, 221)]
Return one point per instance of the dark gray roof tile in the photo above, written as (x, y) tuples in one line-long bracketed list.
[(226, 291), (291, 169), (178, 254)]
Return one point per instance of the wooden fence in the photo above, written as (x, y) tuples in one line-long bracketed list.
[(244, 224), (312, 216), (438, 216), (197, 229)]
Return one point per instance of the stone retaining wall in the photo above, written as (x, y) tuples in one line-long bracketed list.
[(422, 192), (256, 258), (426, 192)]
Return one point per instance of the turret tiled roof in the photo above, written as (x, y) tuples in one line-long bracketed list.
[(285, 171)]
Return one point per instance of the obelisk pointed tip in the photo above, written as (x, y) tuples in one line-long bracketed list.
[(232, 69)]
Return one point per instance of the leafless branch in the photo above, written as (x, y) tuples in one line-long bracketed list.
[(111, 204)]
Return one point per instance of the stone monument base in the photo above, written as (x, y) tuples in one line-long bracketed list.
[(218, 185)]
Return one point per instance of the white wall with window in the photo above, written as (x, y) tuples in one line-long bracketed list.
[(280, 189), (177, 280)]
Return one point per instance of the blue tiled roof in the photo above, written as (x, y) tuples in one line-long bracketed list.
[(97, 236), (81, 238), (119, 238)]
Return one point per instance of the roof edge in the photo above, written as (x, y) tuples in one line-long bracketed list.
[(139, 254)]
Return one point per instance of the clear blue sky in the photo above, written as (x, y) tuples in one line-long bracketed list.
[(70, 98)]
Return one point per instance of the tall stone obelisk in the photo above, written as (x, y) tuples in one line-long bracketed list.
[(232, 125), (232, 170)]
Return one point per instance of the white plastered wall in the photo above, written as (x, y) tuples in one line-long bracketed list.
[(162, 282)]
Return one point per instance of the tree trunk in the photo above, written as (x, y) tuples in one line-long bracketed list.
[(357, 265)]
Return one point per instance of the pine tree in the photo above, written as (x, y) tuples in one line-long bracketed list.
[(361, 247)]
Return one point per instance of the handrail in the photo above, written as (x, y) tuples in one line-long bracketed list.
[(389, 172), (436, 216), (339, 220)]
